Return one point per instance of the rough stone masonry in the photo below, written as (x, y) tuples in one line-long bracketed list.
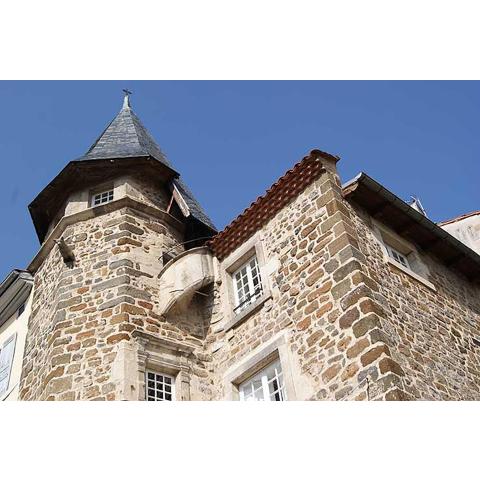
[(151, 287)]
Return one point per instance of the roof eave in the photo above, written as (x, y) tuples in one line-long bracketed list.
[(420, 223), (14, 291), (35, 207)]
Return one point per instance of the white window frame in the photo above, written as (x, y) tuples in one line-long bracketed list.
[(251, 295), (108, 194), (265, 381), (398, 256), (7, 348), (230, 265), (147, 388), (405, 250), (276, 348)]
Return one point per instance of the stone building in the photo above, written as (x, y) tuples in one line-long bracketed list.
[(317, 291)]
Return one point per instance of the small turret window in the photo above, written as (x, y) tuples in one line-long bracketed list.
[(101, 198)]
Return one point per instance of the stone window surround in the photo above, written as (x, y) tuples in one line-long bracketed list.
[(253, 362), (381, 231), (164, 356), (252, 247)]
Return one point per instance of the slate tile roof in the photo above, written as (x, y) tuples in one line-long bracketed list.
[(195, 208), (126, 137)]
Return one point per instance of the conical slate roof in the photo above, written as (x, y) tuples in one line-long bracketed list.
[(125, 137), (194, 207), (127, 142)]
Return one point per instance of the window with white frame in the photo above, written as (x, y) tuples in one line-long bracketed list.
[(159, 387), (397, 256), (403, 254), (247, 284), (7, 352), (267, 385), (102, 198)]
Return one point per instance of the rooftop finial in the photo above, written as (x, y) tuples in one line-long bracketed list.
[(126, 99)]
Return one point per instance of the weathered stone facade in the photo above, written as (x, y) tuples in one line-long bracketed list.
[(321, 299), (345, 323), (433, 336)]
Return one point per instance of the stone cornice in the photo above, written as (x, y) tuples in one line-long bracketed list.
[(89, 213)]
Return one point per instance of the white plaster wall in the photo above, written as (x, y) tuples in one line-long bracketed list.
[(77, 202), (18, 325), (467, 231)]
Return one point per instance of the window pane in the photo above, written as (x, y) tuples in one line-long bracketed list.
[(247, 284), (101, 198), (268, 384), (397, 256), (159, 387)]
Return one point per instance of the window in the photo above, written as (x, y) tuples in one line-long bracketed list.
[(7, 351), (160, 387), (396, 255), (402, 254), (267, 385), (101, 198), (247, 284)]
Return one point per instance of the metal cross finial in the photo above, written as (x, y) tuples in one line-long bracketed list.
[(126, 100)]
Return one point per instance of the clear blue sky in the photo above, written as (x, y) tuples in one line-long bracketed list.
[(231, 140)]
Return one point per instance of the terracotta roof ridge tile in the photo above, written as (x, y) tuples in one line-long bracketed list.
[(267, 205), (459, 217)]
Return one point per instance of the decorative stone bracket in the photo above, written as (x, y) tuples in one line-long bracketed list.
[(65, 251)]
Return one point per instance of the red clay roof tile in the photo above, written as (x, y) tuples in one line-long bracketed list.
[(267, 206)]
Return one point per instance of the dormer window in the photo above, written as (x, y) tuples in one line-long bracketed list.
[(102, 198)]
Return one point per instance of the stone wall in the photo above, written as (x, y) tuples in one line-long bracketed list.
[(434, 336), (83, 313), (320, 298), (348, 325)]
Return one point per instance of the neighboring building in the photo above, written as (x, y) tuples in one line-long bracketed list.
[(15, 303), (316, 291), (466, 228)]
